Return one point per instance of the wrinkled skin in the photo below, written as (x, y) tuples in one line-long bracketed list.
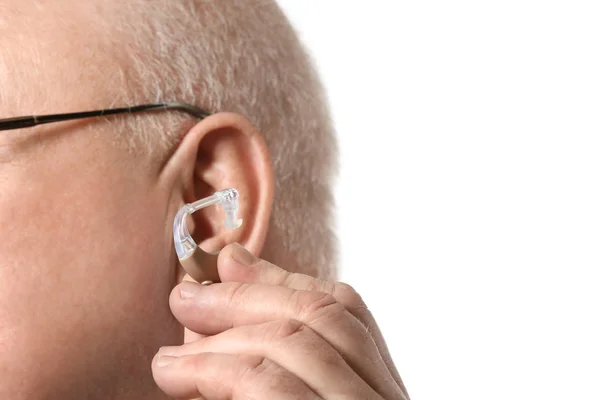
[(265, 333)]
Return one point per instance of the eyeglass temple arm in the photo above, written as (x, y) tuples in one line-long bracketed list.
[(33, 120)]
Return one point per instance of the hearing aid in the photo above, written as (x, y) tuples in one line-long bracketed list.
[(199, 264)]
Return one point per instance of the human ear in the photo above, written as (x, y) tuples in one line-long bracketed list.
[(223, 151)]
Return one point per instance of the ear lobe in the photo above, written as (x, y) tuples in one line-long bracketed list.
[(223, 151)]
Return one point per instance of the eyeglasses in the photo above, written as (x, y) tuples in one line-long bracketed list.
[(34, 120)]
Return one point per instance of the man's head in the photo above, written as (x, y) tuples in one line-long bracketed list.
[(86, 207)]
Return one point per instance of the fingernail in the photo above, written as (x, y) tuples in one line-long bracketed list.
[(187, 290), (243, 256), (163, 361)]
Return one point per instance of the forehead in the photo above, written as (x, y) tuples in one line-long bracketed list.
[(57, 56)]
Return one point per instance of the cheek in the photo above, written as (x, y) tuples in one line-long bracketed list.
[(88, 234), (85, 269)]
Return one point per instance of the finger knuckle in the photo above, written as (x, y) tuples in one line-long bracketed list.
[(314, 305), (196, 364), (252, 369), (348, 296), (299, 333), (286, 328), (255, 364), (235, 292)]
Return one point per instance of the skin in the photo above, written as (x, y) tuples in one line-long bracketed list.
[(90, 287)]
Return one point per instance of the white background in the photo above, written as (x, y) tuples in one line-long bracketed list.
[(468, 202)]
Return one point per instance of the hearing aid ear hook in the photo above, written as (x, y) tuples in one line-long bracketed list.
[(200, 265)]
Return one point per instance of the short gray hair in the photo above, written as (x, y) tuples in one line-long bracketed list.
[(241, 56)]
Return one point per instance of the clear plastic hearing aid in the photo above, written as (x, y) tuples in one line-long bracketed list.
[(184, 243), (188, 252)]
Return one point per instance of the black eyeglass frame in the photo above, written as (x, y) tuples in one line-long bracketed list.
[(34, 120)]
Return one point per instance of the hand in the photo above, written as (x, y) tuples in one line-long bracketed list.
[(265, 333)]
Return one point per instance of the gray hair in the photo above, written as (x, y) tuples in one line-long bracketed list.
[(240, 56)]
